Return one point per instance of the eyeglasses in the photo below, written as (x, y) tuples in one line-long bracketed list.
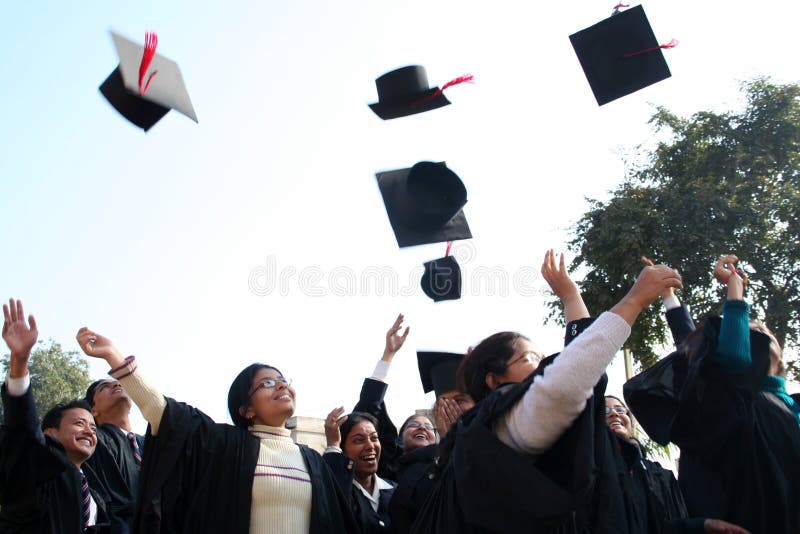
[(269, 383), (417, 424), (619, 410), (529, 356)]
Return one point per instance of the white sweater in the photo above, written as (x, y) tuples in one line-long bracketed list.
[(556, 398)]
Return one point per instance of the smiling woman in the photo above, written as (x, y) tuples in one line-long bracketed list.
[(355, 466), (262, 481)]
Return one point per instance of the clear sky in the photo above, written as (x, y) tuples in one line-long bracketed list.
[(165, 241)]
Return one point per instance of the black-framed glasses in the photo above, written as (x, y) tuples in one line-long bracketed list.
[(529, 356), (269, 383), (619, 410), (417, 424)]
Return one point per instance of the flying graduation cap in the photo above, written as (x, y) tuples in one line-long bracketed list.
[(620, 55), (405, 91), (441, 279), (424, 204), (437, 370), (145, 85)]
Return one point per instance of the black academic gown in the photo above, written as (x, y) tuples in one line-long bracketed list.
[(40, 489), (113, 460), (369, 521), (415, 481), (197, 476), (740, 446)]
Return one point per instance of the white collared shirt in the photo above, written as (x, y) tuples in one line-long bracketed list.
[(374, 498)]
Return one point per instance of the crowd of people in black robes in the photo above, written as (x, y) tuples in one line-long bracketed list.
[(519, 441)]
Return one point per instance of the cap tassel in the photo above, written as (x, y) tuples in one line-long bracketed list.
[(617, 7), (447, 252), (467, 78), (672, 44), (150, 44)]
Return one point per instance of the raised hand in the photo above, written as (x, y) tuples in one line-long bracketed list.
[(726, 267), (446, 412), (395, 340), (97, 346), (669, 292), (563, 286), (332, 424), (19, 337), (652, 281)]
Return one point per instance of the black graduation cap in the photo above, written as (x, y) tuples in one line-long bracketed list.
[(404, 92), (442, 279), (437, 370), (620, 55), (424, 204), (163, 91)]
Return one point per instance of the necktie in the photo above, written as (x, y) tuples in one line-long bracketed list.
[(85, 509), (137, 454)]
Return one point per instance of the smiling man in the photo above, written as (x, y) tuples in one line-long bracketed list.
[(45, 483)]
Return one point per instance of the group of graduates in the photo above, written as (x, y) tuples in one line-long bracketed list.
[(520, 441)]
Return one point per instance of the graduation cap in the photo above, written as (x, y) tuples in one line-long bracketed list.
[(405, 91), (143, 93), (620, 55), (442, 279), (437, 370), (424, 204)]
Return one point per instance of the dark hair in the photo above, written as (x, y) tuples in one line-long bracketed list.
[(89, 398), (53, 417), (239, 393), (490, 356), (352, 420)]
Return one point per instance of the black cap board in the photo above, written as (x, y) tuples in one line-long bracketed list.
[(424, 204), (166, 89), (442, 279), (404, 92), (620, 55), (437, 370)]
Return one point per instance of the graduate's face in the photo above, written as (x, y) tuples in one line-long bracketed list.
[(270, 405), (418, 432), (107, 396), (463, 400), (363, 447), (77, 433), (618, 417), (519, 366)]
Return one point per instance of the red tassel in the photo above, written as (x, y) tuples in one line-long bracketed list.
[(672, 44), (150, 44), (617, 7), (447, 252), (467, 78)]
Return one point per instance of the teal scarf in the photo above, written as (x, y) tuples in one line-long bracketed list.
[(777, 386)]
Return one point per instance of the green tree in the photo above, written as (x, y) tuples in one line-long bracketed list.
[(56, 375), (716, 183)]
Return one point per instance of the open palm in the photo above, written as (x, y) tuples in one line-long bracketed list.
[(18, 335)]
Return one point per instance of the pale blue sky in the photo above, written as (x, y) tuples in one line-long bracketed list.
[(152, 238)]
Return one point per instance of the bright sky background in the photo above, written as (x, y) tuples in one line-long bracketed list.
[(152, 238)]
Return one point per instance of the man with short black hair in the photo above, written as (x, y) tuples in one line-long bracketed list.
[(119, 450)]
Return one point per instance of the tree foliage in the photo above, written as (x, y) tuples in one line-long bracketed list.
[(56, 375), (716, 183)]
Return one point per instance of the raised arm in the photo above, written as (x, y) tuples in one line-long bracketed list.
[(564, 287), (557, 397), (20, 410), (150, 402), (678, 318), (733, 348)]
